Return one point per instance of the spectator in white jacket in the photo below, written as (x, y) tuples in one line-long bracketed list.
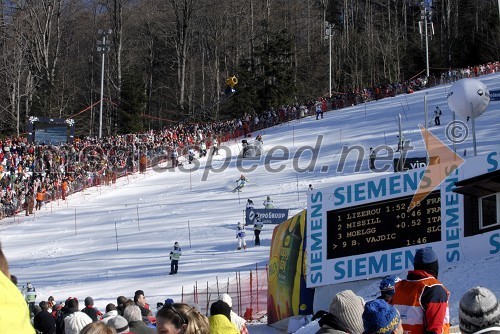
[(75, 322), (111, 312)]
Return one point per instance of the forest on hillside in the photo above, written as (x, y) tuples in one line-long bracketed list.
[(167, 61)]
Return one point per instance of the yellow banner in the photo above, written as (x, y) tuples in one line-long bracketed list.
[(286, 263)]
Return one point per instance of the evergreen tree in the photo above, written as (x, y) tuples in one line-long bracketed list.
[(275, 71), (267, 80), (133, 103)]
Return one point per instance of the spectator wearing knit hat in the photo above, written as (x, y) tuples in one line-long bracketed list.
[(120, 324), (344, 316), (479, 312), (387, 288), (421, 299), (91, 311), (220, 319), (381, 318), (133, 315)]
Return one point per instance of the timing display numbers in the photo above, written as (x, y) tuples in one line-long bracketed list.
[(383, 225)]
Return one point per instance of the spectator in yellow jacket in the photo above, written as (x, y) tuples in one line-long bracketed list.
[(220, 319), (14, 314)]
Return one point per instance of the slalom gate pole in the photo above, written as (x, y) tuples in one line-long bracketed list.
[(298, 195), (138, 224), (239, 296), (116, 237), (404, 110), (76, 233), (251, 290), (237, 292), (196, 289), (208, 302), (257, 285)]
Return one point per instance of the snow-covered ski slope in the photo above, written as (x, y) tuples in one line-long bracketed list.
[(69, 248)]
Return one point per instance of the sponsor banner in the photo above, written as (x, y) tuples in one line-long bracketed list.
[(287, 292), (410, 163), (495, 95), (370, 228), (267, 216)]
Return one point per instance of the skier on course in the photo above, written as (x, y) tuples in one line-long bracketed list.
[(240, 183)]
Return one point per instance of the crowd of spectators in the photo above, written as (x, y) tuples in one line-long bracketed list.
[(352, 96), (33, 173), (135, 315), (478, 313)]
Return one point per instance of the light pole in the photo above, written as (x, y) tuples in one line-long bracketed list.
[(425, 17), (102, 48), (328, 35)]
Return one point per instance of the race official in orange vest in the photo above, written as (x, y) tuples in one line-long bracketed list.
[(421, 299)]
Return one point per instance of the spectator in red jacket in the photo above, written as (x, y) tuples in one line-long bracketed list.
[(421, 299), (91, 311)]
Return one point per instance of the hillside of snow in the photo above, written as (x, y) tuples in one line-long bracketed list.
[(111, 241)]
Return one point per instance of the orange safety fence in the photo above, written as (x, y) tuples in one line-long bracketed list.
[(247, 289)]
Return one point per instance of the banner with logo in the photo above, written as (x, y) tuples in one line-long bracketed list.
[(267, 216), (287, 293), (495, 95)]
